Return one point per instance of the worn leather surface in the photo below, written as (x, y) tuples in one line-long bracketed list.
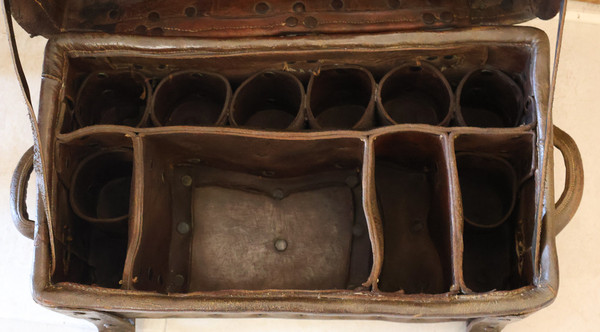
[(365, 304), (222, 18)]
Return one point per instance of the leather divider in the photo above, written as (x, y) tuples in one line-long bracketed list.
[(411, 195)]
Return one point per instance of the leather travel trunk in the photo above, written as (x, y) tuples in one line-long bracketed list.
[(349, 159)]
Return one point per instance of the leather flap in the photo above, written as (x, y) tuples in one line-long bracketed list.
[(226, 18)]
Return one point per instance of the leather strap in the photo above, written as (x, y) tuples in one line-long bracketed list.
[(559, 37), (38, 159)]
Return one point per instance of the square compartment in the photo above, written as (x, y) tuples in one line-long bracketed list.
[(250, 213)]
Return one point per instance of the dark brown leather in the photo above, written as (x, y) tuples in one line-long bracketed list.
[(18, 194), (341, 97), (178, 96), (224, 18), (264, 168), (415, 93), (146, 142), (39, 157)]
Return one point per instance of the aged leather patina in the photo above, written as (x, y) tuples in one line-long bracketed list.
[(294, 159)]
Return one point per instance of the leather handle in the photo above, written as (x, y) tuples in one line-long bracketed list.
[(39, 159), (18, 194), (567, 204)]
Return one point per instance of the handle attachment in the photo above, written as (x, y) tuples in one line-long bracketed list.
[(567, 204), (18, 194)]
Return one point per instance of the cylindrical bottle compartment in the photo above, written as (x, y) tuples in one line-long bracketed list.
[(269, 100), (341, 98), (116, 98), (488, 186), (487, 97), (498, 209), (101, 186), (415, 93), (337, 98), (191, 98)]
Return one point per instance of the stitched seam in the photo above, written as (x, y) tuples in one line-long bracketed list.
[(283, 24), (52, 77), (228, 28), (368, 22)]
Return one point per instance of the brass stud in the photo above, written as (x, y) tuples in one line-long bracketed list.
[(358, 230), (281, 244), (291, 21), (186, 180), (278, 194), (428, 18), (178, 280), (299, 7), (417, 226), (262, 7), (154, 16), (183, 228), (352, 181), (310, 22), (447, 17)]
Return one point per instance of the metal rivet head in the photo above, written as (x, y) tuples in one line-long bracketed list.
[(154, 16), (140, 29), (352, 181), (281, 244), (310, 22), (299, 7), (268, 173), (156, 31), (183, 228), (417, 226), (447, 17), (190, 11), (428, 18), (278, 194), (291, 21), (337, 4), (262, 7), (186, 180), (178, 280), (394, 4), (357, 230), (113, 14)]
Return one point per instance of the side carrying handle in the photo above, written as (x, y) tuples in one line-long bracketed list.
[(571, 197), (18, 194), (37, 151)]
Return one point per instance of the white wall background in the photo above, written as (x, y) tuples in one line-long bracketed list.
[(577, 110)]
